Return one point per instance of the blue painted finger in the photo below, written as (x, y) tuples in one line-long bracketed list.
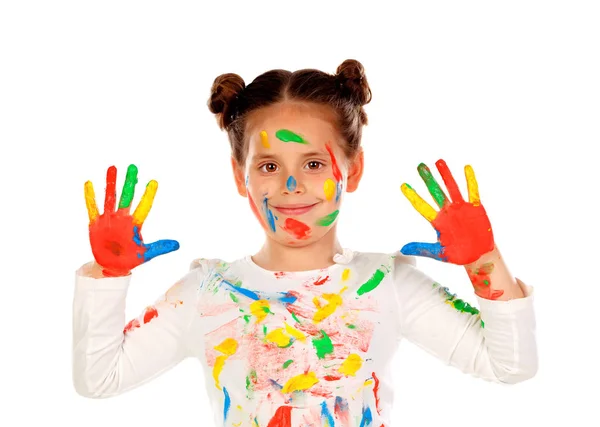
[(429, 250), (160, 247)]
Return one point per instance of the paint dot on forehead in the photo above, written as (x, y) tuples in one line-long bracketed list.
[(291, 183), (264, 139), (286, 135)]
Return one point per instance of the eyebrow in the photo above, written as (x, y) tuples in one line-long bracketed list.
[(263, 156)]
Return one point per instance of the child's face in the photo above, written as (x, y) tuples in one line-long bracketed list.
[(296, 172)]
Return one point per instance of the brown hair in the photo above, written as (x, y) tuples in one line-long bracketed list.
[(346, 92)]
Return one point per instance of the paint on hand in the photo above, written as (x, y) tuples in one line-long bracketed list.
[(300, 382), (296, 228), (480, 278), (432, 185), (372, 283), (418, 203), (329, 188), (264, 139), (337, 174), (291, 183), (327, 220), (128, 187), (352, 364), (286, 135)]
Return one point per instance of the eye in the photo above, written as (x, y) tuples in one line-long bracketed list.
[(268, 168), (314, 165)]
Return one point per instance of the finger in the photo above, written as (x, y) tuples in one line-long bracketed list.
[(160, 247), (111, 188), (143, 208), (429, 250), (418, 203), (432, 185), (449, 181), (90, 201), (472, 185), (128, 187)]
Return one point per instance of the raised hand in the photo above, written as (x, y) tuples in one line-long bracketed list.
[(115, 236), (463, 228)]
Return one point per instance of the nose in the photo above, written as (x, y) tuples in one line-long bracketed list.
[(292, 186)]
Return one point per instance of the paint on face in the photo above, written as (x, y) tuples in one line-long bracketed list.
[(296, 228), (256, 212), (327, 220), (269, 215), (480, 278), (329, 188), (291, 183), (337, 174), (264, 139), (286, 135)]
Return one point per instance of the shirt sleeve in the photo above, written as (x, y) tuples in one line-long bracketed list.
[(495, 342), (111, 356)]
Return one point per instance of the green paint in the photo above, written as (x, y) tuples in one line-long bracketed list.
[(295, 317), (328, 219), (234, 298), (265, 329), (351, 326), (250, 381), (457, 303), (247, 318), (372, 283), (289, 136), (128, 187), (287, 363), (486, 282), (323, 345), (482, 324), (432, 185)]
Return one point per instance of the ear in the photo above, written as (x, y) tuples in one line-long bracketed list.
[(239, 177), (355, 171)]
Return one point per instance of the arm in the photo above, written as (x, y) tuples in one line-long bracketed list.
[(495, 342), (491, 278), (110, 356)]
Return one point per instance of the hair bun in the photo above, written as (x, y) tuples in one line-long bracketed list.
[(353, 83), (223, 97)]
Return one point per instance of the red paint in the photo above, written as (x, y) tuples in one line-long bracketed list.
[(280, 274), (133, 323), (256, 212), (331, 378), (449, 181), (376, 393), (336, 170), (465, 232), (282, 417), (297, 228), (321, 281), (150, 314), (111, 190), (480, 278)]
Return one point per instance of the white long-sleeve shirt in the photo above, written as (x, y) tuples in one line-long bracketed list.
[(308, 348)]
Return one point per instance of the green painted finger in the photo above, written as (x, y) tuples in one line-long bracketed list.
[(128, 187), (432, 185)]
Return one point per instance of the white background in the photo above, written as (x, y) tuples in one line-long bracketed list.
[(510, 87)]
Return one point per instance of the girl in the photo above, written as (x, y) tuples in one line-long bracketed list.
[(302, 332)]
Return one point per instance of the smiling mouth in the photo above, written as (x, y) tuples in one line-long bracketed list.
[(294, 209)]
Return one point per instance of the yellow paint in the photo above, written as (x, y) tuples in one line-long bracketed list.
[(90, 201), (352, 364), (334, 301), (418, 203), (329, 188), (300, 382), (345, 274), (472, 186), (142, 210), (227, 347), (219, 364), (264, 139), (278, 337), (295, 332), (260, 309)]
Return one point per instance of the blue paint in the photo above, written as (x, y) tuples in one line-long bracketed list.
[(367, 417), (288, 298), (284, 297), (269, 215), (325, 414), (275, 384), (341, 405), (338, 191), (226, 404), (247, 180), (246, 292), (291, 183), (429, 250), (154, 249)]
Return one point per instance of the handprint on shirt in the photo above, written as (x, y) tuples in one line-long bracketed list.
[(463, 228), (115, 236)]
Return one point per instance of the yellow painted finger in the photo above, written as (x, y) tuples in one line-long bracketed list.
[(472, 185), (418, 203), (142, 210), (90, 201)]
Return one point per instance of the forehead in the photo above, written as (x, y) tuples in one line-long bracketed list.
[(294, 128)]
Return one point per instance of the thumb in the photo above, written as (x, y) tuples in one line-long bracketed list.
[(160, 247), (429, 250)]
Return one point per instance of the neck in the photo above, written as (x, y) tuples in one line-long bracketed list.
[(275, 256)]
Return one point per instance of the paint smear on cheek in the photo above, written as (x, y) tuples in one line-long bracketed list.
[(329, 188), (269, 214), (328, 219), (297, 228), (334, 165), (256, 212), (291, 183)]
